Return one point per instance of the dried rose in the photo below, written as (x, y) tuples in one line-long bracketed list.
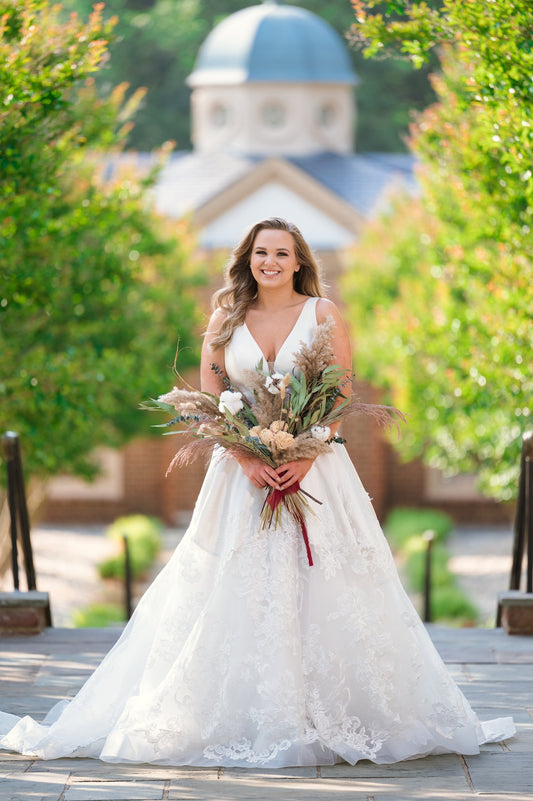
[(283, 440), (278, 425), (267, 437)]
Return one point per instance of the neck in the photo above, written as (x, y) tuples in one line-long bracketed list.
[(275, 299)]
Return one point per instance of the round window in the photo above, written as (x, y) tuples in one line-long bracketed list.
[(326, 115), (274, 115), (220, 115)]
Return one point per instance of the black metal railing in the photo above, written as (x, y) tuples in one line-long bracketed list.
[(128, 603), (429, 539), (18, 511), (523, 527)]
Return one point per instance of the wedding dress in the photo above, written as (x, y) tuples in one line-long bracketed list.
[(241, 654)]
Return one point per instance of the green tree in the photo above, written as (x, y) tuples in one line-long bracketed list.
[(157, 42), (444, 283), (441, 290), (95, 288)]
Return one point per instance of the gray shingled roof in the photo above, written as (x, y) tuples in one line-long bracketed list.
[(191, 179)]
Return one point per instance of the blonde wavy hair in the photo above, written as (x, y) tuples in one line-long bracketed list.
[(241, 287)]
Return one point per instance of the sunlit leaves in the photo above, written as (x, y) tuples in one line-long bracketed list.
[(441, 292), (95, 288)]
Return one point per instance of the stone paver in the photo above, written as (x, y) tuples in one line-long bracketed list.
[(495, 672), (115, 791)]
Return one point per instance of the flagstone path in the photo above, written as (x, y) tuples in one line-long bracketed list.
[(494, 670)]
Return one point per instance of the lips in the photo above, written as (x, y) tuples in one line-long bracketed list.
[(270, 272)]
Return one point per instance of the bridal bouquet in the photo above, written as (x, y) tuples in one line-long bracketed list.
[(283, 417)]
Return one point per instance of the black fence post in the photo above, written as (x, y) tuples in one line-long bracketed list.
[(18, 510), (127, 577), (523, 526), (429, 538)]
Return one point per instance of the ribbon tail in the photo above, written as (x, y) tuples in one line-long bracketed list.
[(301, 521)]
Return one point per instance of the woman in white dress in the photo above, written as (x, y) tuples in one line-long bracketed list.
[(240, 653)]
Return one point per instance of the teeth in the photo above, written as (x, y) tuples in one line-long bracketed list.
[(270, 272)]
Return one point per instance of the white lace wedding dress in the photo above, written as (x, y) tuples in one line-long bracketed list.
[(240, 654)]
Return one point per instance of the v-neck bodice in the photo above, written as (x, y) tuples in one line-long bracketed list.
[(243, 352)]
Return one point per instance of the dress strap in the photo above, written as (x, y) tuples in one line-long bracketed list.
[(307, 318)]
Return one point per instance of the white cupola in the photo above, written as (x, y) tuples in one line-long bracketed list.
[(273, 80)]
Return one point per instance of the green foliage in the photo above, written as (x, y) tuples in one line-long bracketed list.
[(97, 616), (404, 523), (157, 42), (404, 529), (415, 568), (144, 540), (449, 604), (441, 291), (95, 288)]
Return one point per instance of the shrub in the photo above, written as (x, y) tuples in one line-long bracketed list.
[(98, 616), (144, 540), (415, 568), (404, 528), (451, 604), (403, 523)]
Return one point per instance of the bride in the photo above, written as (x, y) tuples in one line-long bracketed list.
[(240, 653)]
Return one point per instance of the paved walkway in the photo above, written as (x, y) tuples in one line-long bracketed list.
[(481, 558), (494, 670)]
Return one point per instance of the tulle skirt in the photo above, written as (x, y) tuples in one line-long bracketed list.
[(241, 654)]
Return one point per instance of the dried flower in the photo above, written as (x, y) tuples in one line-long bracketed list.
[(278, 425), (266, 436), (230, 401), (283, 440), (274, 383), (321, 433)]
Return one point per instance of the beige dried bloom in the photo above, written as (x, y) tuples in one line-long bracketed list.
[(267, 437), (278, 425), (283, 440), (255, 431)]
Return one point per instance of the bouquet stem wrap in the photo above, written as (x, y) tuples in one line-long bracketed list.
[(274, 498)]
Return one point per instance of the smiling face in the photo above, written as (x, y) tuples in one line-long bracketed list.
[(273, 260)]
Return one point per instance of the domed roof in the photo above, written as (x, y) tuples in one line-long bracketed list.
[(271, 42)]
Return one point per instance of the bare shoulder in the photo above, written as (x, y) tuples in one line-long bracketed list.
[(216, 320), (326, 308)]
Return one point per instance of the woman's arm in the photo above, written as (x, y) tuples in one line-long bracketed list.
[(259, 473), (296, 470), (210, 381)]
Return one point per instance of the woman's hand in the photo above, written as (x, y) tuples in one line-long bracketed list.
[(290, 472), (259, 473)]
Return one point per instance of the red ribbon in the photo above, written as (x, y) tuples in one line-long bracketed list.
[(275, 497)]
